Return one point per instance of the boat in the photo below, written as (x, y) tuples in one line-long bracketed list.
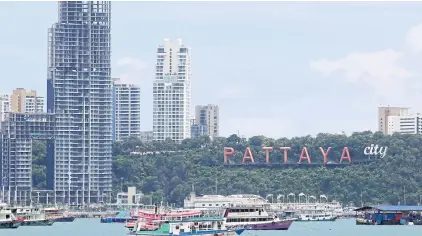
[(7, 219), (316, 215), (390, 215), (56, 215), (120, 217), (32, 216), (211, 226), (159, 214), (255, 217)]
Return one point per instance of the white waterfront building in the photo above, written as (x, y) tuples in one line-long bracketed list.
[(172, 92)]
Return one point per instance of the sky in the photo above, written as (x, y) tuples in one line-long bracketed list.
[(277, 69)]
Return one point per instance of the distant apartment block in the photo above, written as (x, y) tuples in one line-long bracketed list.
[(146, 136), (23, 101), (410, 124), (206, 121), (4, 106), (126, 111), (172, 92), (385, 112)]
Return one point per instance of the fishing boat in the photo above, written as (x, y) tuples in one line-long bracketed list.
[(255, 217), (32, 216), (7, 219), (120, 217), (193, 226)]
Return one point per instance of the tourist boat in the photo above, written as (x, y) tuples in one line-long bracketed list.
[(56, 215), (7, 219), (316, 215), (161, 215), (210, 226), (32, 216), (255, 217)]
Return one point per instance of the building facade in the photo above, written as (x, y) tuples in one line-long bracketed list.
[(206, 121), (4, 107), (385, 112), (172, 92), (126, 111), (23, 101), (18, 131), (146, 136), (79, 93), (410, 124)]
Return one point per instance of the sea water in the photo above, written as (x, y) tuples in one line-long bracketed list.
[(93, 227)]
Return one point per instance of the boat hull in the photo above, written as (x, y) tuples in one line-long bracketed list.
[(277, 225), (114, 220), (64, 219), (38, 223), (203, 233), (10, 225)]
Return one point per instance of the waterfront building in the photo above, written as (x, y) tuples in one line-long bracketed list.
[(172, 92), (79, 92), (126, 110)]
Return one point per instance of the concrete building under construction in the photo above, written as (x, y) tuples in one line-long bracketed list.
[(17, 134)]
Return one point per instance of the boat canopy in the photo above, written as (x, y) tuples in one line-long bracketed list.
[(390, 208)]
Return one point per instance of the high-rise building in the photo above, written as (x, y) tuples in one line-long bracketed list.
[(408, 124), (126, 111), (385, 112), (206, 121), (79, 93), (172, 92), (23, 101), (4, 106)]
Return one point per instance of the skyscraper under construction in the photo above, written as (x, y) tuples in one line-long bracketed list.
[(79, 94)]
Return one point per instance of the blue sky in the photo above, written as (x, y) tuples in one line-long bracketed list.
[(274, 68)]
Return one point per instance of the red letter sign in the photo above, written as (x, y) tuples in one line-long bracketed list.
[(304, 157), (285, 153), (228, 151), (267, 154), (248, 155), (345, 155), (325, 154)]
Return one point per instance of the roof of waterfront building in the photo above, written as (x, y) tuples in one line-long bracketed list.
[(390, 208)]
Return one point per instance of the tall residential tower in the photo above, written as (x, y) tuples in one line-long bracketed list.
[(126, 110), (172, 92), (79, 93)]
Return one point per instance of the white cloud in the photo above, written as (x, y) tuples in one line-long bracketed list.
[(375, 68), (131, 70), (414, 38), (232, 92)]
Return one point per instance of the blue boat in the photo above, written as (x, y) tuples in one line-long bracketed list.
[(120, 217)]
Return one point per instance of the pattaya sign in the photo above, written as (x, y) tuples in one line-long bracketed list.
[(304, 155)]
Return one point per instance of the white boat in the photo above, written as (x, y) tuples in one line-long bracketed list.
[(254, 217), (317, 215), (8, 219), (32, 216)]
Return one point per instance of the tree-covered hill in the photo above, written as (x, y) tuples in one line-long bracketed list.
[(170, 170)]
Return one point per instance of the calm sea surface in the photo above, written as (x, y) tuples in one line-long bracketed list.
[(93, 227)]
